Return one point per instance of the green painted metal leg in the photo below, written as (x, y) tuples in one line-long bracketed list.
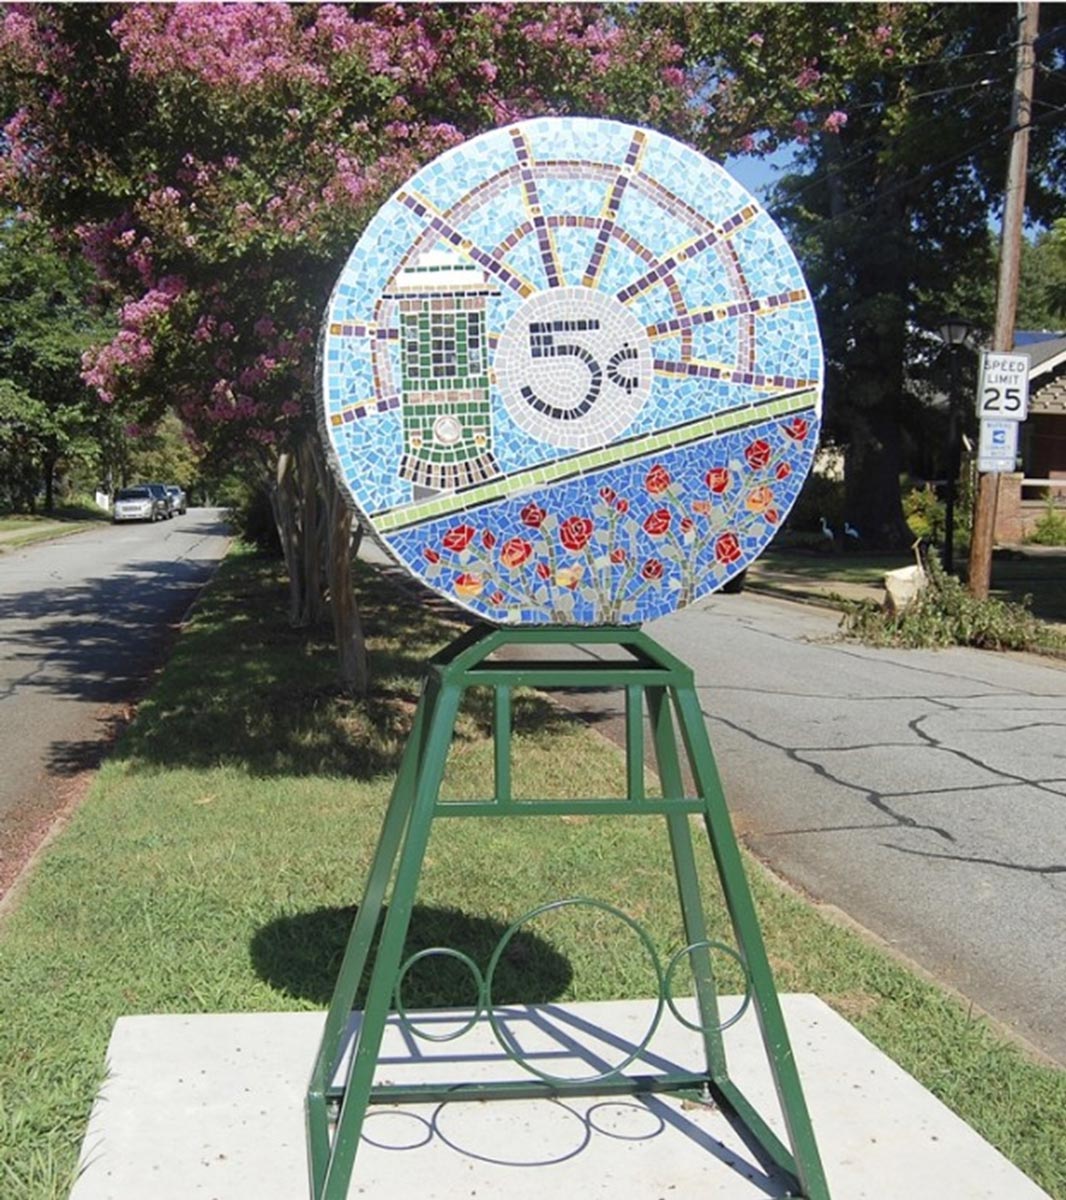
[(688, 887), (440, 725), (748, 934), (360, 939)]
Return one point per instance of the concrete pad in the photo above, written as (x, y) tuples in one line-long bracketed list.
[(210, 1107)]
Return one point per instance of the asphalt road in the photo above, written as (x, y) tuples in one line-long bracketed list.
[(83, 621), (921, 792)]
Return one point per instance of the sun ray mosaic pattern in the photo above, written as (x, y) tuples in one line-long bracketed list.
[(572, 373)]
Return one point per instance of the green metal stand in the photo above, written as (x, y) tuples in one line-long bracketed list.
[(653, 677)]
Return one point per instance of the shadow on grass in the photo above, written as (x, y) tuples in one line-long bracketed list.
[(246, 689), (301, 955)]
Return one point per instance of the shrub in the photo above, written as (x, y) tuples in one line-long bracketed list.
[(819, 497), (1050, 530), (945, 614), (924, 513), (253, 519)]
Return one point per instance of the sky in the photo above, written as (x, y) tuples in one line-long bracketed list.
[(757, 174)]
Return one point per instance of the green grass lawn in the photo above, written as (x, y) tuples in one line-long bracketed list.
[(822, 568), (1042, 579), (22, 529), (216, 861)]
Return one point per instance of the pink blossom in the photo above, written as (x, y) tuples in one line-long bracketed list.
[(18, 35), (835, 122), (222, 45), (756, 39), (156, 302), (334, 25), (128, 353), (673, 76), (487, 70), (205, 329)]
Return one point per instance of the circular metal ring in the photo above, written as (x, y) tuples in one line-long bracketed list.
[(475, 971), (503, 1038), (683, 953)]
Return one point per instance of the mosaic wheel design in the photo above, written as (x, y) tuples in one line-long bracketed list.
[(571, 373)]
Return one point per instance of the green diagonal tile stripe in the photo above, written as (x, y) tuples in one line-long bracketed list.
[(663, 439)]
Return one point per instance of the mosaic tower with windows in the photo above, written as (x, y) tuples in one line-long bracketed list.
[(446, 407)]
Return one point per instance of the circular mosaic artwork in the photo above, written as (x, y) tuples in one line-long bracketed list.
[(571, 373)]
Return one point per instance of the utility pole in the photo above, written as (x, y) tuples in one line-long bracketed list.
[(1010, 252)]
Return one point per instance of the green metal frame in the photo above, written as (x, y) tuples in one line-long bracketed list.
[(651, 678)]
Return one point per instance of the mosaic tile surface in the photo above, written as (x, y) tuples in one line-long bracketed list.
[(571, 372)]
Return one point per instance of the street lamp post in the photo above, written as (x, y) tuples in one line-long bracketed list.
[(953, 331)]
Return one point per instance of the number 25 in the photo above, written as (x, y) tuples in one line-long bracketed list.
[(1011, 396)]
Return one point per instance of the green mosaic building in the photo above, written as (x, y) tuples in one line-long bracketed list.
[(447, 423)]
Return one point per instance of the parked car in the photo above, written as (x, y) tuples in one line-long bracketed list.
[(138, 504), (178, 499), (159, 490)]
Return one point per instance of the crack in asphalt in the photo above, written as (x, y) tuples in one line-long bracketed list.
[(975, 860), (880, 800), (964, 756), (875, 799)]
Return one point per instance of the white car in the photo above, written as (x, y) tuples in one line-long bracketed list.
[(137, 504), (178, 502)]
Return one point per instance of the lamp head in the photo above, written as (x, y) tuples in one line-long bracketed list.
[(955, 331)]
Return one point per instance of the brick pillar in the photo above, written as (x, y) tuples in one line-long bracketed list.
[(1010, 526)]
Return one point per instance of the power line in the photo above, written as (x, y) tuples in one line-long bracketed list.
[(875, 141), (944, 91), (931, 171)]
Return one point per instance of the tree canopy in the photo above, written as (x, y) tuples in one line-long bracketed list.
[(47, 414), (891, 219)]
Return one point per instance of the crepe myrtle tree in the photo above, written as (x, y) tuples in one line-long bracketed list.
[(215, 163)]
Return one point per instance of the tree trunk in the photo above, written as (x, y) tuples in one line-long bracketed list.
[(342, 545), (315, 529), (871, 479), (347, 626), (283, 501), (873, 403), (49, 467)]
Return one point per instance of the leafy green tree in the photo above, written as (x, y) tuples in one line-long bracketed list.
[(1042, 298), (163, 453), (890, 216), (48, 417)]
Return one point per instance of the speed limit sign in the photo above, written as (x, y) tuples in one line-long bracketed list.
[(1003, 388)]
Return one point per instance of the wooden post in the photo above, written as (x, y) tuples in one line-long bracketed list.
[(984, 520)]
